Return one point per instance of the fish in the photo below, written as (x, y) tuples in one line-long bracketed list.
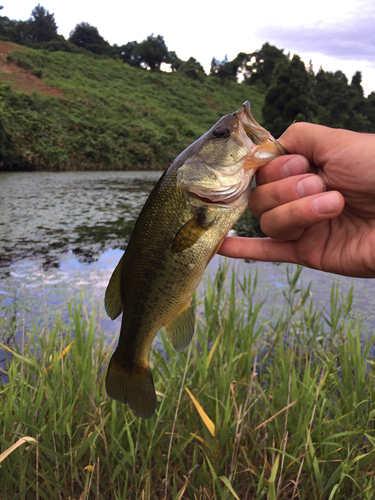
[(180, 228)]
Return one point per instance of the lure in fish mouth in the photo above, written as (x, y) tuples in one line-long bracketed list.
[(222, 170), (196, 202)]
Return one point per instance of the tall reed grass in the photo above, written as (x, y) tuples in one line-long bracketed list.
[(276, 408)]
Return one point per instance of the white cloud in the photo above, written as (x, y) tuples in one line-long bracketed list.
[(351, 39)]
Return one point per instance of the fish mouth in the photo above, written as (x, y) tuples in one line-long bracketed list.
[(222, 182), (258, 140)]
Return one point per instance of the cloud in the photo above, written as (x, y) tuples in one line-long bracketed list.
[(350, 39)]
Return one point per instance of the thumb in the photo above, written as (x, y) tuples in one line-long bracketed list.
[(316, 142)]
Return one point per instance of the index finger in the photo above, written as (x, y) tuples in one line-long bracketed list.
[(281, 168)]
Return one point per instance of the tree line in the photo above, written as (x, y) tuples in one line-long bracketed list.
[(40, 32), (295, 93), (291, 91)]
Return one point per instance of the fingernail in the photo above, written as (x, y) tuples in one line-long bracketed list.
[(296, 165), (309, 185), (327, 203)]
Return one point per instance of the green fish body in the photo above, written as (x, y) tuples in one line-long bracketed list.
[(196, 202)]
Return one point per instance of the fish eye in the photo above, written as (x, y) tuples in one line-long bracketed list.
[(221, 132)]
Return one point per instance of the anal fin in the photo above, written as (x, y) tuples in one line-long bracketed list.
[(180, 330)]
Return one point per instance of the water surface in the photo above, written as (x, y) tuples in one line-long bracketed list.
[(46, 215), (62, 234)]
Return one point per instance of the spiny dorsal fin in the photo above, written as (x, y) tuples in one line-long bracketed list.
[(112, 300), (190, 233), (180, 330)]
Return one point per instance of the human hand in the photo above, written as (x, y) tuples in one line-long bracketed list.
[(324, 221)]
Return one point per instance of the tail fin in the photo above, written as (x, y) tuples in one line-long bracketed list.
[(133, 386)]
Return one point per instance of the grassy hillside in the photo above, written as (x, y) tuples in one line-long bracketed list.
[(104, 114)]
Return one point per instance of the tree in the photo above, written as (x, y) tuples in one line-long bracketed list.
[(228, 70), (369, 110), (7, 28), (2, 23), (129, 53), (87, 37), (260, 71), (153, 52), (41, 26), (192, 68), (357, 81), (340, 104), (288, 98), (174, 61), (357, 94), (37, 32), (150, 54), (14, 31)]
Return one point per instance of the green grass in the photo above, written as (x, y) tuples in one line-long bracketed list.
[(110, 115), (287, 407)]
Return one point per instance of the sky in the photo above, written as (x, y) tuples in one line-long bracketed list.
[(337, 35)]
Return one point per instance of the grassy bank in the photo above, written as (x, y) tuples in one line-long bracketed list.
[(107, 115), (257, 408)]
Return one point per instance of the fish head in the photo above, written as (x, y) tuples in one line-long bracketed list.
[(219, 167)]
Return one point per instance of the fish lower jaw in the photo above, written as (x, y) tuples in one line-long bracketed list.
[(206, 201), (223, 202), (228, 195)]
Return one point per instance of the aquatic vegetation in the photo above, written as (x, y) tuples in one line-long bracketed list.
[(275, 407)]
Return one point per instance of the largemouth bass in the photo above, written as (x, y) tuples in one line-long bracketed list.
[(180, 228)]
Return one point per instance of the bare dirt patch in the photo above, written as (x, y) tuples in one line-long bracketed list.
[(20, 78)]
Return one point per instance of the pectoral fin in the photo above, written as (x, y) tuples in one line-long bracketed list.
[(180, 330), (112, 300), (190, 233)]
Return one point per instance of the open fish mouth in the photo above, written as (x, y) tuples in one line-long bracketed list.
[(222, 170)]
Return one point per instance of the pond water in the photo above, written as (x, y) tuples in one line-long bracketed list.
[(62, 234)]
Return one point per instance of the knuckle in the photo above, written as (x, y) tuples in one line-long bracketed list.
[(270, 226), (299, 127), (295, 213), (254, 203), (279, 194)]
